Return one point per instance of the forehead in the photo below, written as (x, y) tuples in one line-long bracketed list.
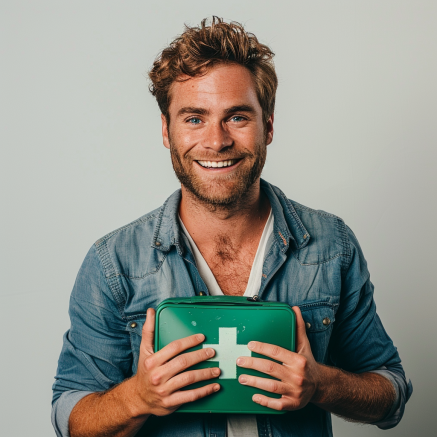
[(222, 87)]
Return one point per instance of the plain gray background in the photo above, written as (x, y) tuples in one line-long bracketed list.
[(81, 154)]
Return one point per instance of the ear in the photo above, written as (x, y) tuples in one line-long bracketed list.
[(165, 139), (269, 129)]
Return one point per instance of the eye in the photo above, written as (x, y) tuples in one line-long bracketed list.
[(194, 120), (237, 118)]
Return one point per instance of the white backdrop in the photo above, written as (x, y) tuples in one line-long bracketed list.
[(81, 155)]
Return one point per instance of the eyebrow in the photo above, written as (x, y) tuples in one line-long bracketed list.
[(192, 110), (240, 108)]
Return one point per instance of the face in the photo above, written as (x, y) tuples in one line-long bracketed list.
[(216, 135)]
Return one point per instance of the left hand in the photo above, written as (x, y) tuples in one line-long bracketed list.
[(299, 374)]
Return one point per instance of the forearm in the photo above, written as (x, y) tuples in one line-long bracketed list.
[(112, 413), (365, 397)]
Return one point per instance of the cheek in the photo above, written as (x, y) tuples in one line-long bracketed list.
[(184, 140)]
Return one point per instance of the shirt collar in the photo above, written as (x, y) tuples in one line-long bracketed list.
[(287, 224)]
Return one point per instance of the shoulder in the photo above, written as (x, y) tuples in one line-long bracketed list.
[(330, 237), (139, 228), (127, 250)]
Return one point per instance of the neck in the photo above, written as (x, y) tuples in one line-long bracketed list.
[(240, 222)]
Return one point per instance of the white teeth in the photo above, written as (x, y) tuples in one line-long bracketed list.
[(214, 164)]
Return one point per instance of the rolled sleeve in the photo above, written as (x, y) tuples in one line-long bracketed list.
[(403, 392), (62, 409), (96, 352)]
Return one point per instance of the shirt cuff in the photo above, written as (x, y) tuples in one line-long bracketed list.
[(62, 409), (397, 410)]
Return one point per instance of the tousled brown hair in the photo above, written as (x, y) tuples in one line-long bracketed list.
[(200, 48)]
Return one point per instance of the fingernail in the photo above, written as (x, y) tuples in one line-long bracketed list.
[(200, 337), (256, 399), (242, 379), (216, 387), (210, 352), (240, 361), (251, 345), (216, 372)]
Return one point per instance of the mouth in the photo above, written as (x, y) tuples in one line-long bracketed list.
[(218, 164)]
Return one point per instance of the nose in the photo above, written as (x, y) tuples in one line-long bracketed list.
[(217, 137)]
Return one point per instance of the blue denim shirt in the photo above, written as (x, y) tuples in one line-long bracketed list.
[(312, 260)]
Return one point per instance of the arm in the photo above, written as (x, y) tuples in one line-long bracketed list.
[(155, 389), (95, 386), (365, 397)]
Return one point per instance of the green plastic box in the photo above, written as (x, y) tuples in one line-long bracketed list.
[(228, 323)]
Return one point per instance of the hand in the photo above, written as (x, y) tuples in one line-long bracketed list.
[(299, 374), (160, 375)]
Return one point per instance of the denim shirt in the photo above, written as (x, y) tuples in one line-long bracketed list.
[(312, 260)]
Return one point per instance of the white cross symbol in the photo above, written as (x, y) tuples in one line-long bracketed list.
[(227, 352)]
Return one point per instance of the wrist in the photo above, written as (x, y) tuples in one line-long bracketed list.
[(135, 405), (325, 378)]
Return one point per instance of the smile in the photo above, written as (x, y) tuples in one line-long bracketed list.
[(216, 164)]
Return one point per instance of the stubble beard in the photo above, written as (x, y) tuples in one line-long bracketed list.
[(226, 191)]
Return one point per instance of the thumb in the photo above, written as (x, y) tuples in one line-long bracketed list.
[(302, 342), (148, 333)]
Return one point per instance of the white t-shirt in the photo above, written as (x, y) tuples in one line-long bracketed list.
[(239, 425)]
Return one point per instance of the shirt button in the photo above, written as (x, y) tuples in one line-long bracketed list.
[(308, 325), (202, 293), (133, 325), (326, 321), (305, 236), (157, 243)]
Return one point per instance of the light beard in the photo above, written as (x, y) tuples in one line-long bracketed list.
[(235, 187)]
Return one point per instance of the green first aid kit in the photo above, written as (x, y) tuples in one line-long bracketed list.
[(229, 323)]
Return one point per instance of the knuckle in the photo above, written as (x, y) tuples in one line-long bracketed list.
[(193, 396), (270, 365), (161, 392), (188, 378), (274, 387), (302, 362), (299, 380), (175, 347), (166, 403), (182, 361), (155, 379), (276, 350), (149, 363)]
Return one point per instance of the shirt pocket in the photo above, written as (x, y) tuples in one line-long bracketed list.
[(135, 328), (319, 318)]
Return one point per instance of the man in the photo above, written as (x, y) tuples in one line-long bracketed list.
[(225, 232)]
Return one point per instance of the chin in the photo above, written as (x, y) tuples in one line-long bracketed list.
[(220, 194)]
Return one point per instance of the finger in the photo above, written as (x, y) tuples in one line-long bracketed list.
[(148, 333), (271, 385), (185, 396), (301, 335), (176, 347), (183, 362), (265, 401), (270, 350), (190, 377), (265, 366)]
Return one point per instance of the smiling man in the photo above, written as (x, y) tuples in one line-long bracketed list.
[(225, 232)]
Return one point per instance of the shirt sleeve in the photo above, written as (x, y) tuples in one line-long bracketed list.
[(96, 352), (359, 342)]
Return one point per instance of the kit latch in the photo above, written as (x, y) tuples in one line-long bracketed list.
[(253, 298)]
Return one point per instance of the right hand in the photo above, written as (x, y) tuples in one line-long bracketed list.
[(160, 375)]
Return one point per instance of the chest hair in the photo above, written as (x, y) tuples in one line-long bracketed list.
[(231, 265)]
